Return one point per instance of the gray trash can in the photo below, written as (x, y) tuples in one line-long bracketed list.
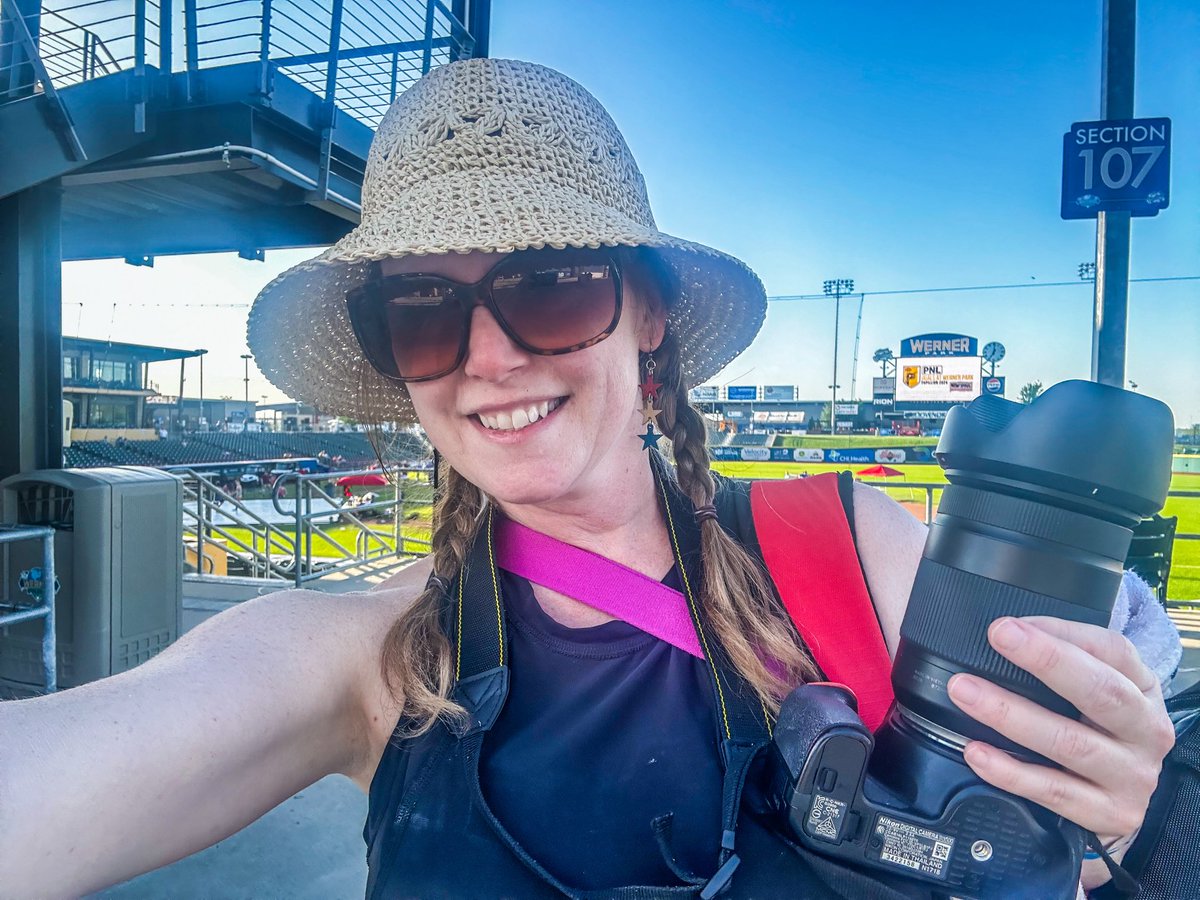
[(118, 554)]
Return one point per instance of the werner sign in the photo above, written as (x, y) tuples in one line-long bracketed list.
[(1119, 164), (939, 345)]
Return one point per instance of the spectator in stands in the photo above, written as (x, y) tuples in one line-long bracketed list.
[(542, 376)]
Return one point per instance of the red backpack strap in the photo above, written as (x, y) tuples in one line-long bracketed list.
[(810, 554)]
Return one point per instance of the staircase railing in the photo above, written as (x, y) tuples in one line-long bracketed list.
[(312, 532), (357, 55)]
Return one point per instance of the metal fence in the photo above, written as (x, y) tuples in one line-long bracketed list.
[(355, 54), (304, 531)]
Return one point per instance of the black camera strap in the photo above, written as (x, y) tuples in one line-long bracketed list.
[(1122, 884)]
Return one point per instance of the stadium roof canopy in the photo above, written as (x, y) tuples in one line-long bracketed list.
[(143, 352)]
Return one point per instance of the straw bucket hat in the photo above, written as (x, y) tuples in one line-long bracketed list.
[(491, 155)]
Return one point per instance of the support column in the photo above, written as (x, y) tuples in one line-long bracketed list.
[(1111, 308), (31, 329)]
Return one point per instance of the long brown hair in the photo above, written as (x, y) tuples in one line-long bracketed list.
[(736, 593)]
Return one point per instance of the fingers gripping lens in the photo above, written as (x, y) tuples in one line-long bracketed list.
[(415, 327)]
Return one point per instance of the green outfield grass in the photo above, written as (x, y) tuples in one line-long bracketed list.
[(1185, 567)]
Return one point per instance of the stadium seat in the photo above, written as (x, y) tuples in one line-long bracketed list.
[(354, 448), (1150, 552)]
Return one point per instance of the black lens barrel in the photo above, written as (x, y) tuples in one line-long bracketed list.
[(1037, 520)]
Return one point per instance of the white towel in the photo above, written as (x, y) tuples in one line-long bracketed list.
[(1140, 617)]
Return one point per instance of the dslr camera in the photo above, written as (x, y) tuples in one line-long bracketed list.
[(1036, 520)]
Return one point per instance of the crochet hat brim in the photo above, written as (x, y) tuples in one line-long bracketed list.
[(299, 330)]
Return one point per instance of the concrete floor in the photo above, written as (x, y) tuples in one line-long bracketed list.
[(311, 846), (308, 848)]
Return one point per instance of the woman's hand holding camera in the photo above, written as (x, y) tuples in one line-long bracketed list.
[(1110, 759)]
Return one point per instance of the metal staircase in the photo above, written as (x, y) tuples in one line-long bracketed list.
[(138, 128), (255, 138)]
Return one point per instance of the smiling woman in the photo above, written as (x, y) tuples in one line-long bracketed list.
[(509, 290)]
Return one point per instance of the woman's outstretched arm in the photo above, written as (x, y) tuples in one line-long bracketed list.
[(123, 775)]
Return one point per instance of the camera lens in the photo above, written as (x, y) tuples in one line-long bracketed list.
[(1037, 520)]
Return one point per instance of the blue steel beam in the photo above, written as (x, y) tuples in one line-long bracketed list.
[(30, 341)]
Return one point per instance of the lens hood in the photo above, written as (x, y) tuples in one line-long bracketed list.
[(1116, 462)]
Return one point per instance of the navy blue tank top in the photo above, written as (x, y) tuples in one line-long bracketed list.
[(606, 729)]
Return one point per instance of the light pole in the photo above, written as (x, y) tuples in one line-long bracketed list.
[(246, 357), (201, 414), (835, 287)]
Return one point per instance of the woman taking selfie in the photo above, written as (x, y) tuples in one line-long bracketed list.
[(508, 290)]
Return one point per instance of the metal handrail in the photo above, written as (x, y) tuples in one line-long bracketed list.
[(290, 555), (272, 536), (308, 489), (43, 610)]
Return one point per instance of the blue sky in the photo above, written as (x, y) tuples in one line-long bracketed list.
[(904, 145)]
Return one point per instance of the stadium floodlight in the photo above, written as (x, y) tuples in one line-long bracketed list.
[(836, 287), (1087, 271), (885, 358)]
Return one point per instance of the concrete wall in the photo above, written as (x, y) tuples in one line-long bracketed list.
[(1186, 464), (111, 434)]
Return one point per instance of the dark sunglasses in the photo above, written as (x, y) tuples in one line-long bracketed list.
[(416, 327)]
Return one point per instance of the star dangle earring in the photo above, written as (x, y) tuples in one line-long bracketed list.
[(649, 391)]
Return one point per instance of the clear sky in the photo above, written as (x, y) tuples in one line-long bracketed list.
[(904, 145)]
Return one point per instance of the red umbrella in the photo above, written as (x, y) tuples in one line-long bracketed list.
[(371, 479), (880, 471)]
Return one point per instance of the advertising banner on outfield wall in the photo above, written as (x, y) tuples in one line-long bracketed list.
[(883, 386), (779, 392), (849, 455), (704, 394), (741, 392)]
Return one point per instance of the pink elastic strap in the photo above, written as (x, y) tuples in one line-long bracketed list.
[(600, 583)]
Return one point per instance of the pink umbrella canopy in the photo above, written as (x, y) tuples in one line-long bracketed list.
[(370, 479), (880, 471)]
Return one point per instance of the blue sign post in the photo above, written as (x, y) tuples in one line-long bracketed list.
[(1116, 165)]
